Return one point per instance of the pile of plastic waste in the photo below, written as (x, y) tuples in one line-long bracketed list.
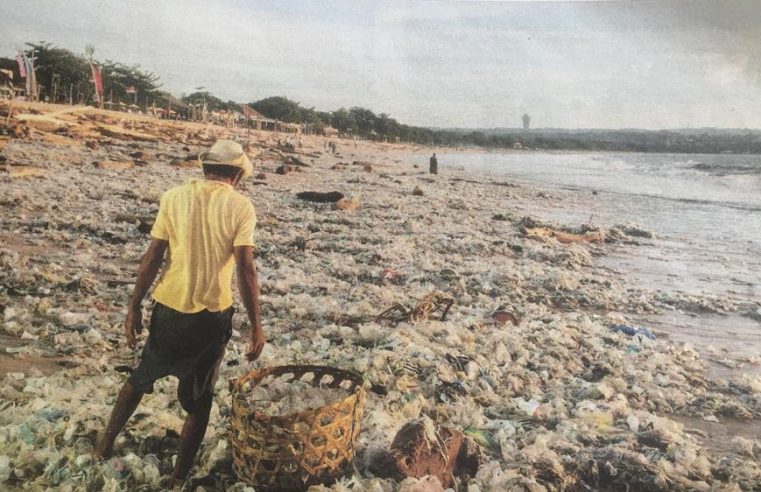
[(286, 397), (535, 358)]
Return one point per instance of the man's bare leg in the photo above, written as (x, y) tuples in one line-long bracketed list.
[(192, 434), (126, 403)]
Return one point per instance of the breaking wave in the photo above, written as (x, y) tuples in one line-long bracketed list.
[(725, 169)]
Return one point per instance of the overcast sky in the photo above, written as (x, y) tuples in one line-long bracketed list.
[(466, 64)]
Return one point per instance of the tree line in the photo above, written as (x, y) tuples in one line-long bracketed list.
[(356, 120), (363, 122), (66, 76)]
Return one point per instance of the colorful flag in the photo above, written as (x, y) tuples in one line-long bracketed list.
[(97, 79), (31, 80), (29, 64), (21, 59)]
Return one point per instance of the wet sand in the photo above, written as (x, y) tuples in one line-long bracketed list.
[(710, 288)]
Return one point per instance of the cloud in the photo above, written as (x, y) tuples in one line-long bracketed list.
[(646, 64)]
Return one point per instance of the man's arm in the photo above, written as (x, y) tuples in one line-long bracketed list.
[(248, 286), (146, 274)]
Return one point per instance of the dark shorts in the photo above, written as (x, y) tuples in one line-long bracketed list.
[(187, 346)]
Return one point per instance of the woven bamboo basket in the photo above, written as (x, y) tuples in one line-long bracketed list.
[(293, 452)]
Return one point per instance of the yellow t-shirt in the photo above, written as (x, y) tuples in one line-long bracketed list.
[(203, 221)]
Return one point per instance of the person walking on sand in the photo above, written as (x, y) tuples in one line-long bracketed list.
[(434, 164), (205, 227)]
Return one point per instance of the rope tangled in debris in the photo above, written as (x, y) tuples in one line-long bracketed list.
[(432, 303)]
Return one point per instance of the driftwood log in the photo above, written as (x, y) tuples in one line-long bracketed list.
[(320, 197), (144, 224)]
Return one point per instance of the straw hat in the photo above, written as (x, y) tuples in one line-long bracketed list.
[(227, 153)]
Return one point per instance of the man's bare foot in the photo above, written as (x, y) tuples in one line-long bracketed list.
[(103, 449), (171, 483), (126, 403)]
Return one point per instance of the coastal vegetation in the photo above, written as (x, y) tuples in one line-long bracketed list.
[(70, 74)]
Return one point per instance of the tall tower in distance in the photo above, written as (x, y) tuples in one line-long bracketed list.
[(526, 121)]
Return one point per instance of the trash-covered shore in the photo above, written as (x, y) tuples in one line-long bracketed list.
[(527, 360)]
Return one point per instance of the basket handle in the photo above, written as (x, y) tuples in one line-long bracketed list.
[(357, 403)]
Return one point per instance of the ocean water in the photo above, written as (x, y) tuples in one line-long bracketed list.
[(704, 209), (713, 197)]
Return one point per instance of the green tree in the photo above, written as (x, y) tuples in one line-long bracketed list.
[(343, 121), (73, 70), (364, 119), (75, 74), (386, 126), (213, 103), (280, 108), (323, 117), (118, 77)]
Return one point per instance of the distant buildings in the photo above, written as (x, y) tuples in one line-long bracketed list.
[(526, 121)]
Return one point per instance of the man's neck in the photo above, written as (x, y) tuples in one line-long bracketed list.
[(219, 179)]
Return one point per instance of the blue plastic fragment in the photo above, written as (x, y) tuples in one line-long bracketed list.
[(51, 414), (27, 433), (632, 331)]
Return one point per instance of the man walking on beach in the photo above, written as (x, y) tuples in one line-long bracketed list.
[(204, 226), (434, 164)]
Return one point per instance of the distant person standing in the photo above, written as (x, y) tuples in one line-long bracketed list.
[(434, 164)]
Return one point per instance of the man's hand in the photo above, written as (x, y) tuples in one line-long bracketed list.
[(146, 274), (248, 284), (255, 344), (133, 325)]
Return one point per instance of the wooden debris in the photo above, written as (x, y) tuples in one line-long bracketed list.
[(18, 131), (348, 204), (26, 172), (421, 450), (283, 169), (124, 133), (185, 163), (43, 122), (144, 224), (320, 197), (362, 163), (434, 302), (544, 233), (57, 139), (501, 317), (139, 155), (295, 161), (114, 165)]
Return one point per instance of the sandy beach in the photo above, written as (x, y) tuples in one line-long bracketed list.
[(555, 398)]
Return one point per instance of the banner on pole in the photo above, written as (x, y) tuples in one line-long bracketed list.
[(21, 60), (97, 79)]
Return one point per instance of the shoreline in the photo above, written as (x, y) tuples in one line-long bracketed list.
[(464, 236)]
